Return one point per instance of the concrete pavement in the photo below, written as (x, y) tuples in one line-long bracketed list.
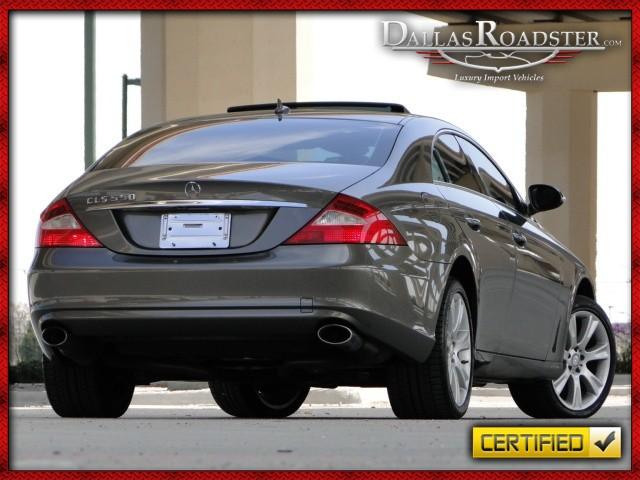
[(185, 430)]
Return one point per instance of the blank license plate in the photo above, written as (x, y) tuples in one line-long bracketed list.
[(195, 230)]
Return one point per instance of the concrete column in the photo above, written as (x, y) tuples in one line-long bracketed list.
[(201, 63), (562, 151), (152, 65)]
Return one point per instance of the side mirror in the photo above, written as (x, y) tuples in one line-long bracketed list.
[(544, 197)]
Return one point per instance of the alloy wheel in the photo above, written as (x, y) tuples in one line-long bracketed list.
[(458, 349), (587, 360)]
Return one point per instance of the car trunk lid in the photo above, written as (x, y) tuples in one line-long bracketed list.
[(257, 205)]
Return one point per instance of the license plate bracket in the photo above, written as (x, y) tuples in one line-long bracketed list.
[(195, 230)]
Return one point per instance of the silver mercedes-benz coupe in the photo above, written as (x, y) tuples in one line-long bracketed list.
[(279, 247)]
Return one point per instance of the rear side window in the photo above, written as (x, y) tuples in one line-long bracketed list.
[(436, 170), (269, 140), (497, 185), (457, 166)]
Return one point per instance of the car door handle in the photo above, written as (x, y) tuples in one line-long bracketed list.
[(519, 238), (473, 223)]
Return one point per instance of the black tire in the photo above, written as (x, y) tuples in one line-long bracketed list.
[(422, 390), (252, 401), (538, 398), (86, 391)]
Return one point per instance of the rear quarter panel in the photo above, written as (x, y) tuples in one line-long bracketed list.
[(405, 194)]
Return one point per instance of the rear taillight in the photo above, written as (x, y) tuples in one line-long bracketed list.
[(59, 227), (348, 220)]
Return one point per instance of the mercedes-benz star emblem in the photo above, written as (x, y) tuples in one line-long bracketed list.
[(192, 189)]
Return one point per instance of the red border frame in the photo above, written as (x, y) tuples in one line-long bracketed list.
[(10, 5)]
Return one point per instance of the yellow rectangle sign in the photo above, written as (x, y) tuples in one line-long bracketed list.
[(547, 442)]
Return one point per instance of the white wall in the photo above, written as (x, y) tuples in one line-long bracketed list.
[(46, 124), (613, 247), (117, 53), (47, 112)]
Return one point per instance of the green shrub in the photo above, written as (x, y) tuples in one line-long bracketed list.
[(26, 372), (29, 368), (623, 360), (622, 332), (28, 349)]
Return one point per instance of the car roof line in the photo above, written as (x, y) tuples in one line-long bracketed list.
[(360, 106)]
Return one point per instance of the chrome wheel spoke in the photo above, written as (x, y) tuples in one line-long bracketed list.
[(461, 312), (451, 328), (458, 349), (461, 337), (455, 385), (595, 384), (561, 382), (456, 315), (576, 394), (601, 352), (450, 368), (464, 376), (588, 331)]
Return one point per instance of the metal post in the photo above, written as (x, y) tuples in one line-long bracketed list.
[(126, 81), (125, 102), (89, 88)]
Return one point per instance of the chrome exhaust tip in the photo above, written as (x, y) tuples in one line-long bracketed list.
[(54, 336), (339, 336)]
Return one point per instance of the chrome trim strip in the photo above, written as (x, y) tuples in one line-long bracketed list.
[(196, 203)]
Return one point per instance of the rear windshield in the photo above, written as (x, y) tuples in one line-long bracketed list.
[(356, 142)]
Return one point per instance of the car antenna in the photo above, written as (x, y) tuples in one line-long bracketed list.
[(281, 110)]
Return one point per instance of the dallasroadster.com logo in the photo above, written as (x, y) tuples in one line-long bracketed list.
[(485, 49)]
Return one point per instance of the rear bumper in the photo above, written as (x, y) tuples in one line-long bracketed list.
[(286, 293)]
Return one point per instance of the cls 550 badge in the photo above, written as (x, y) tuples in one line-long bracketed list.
[(110, 198), (547, 442)]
